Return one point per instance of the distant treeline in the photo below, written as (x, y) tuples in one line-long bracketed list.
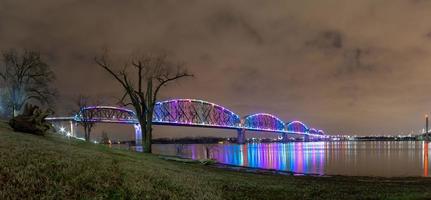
[(192, 140), (383, 138)]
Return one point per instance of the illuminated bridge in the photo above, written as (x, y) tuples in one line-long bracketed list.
[(194, 113)]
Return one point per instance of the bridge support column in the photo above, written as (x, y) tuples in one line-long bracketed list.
[(285, 137), (306, 138), (138, 137), (72, 129), (241, 136)]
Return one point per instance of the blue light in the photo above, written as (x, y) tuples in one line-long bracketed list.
[(199, 113)]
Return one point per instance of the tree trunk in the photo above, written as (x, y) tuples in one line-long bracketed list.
[(14, 111), (149, 117), (143, 132), (148, 131), (86, 134), (87, 131)]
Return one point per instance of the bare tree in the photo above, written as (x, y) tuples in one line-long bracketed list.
[(142, 85), (5, 104), (25, 77), (86, 123), (105, 138)]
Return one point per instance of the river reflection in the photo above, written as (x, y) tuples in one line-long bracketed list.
[(425, 160), (374, 158)]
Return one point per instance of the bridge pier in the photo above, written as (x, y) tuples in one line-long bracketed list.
[(72, 128), (285, 138), (138, 137), (306, 138), (241, 136)]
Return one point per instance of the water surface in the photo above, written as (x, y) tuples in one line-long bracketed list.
[(371, 158)]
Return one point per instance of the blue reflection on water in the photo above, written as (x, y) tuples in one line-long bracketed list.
[(370, 158), (297, 157)]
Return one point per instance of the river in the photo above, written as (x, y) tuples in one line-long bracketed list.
[(352, 158)]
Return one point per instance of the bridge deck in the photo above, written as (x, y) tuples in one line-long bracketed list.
[(188, 125)]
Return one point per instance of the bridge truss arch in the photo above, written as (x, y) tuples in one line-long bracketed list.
[(263, 122), (312, 131), (106, 114), (296, 127), (193, 112)]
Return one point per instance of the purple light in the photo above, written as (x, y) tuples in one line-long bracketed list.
[(312, 131), (197, 101), (296, 126), (264, 122), (195, 113)]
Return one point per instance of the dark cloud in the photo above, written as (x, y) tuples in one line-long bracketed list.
[(248, 80), (355, 61), (226, 22), (327, 40)]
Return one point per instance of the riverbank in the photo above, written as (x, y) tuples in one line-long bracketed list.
[(53, 167)]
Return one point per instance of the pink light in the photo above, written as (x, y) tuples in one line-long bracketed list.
[(273, 124)]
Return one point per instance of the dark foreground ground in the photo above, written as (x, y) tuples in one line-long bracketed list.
[(51, 167)]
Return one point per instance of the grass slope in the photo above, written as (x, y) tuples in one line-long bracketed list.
[(51, 167)]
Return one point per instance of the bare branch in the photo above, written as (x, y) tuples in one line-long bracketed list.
[(102, 63), (122, 99), (27, 77), (3, 76), (142, 85), (166, 81)]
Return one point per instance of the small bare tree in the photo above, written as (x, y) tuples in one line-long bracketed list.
[(105, 138), (142, 85), (25, 77), (86, 123)]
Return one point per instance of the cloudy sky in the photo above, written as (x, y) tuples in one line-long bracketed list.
[(354, 67)]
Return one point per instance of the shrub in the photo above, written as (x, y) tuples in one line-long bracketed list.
[(32, 120)]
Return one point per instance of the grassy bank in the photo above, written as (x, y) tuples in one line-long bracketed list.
[(56, 168)]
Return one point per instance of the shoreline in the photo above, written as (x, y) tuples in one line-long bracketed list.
[(73, 169), (263, 171), (254, 170)]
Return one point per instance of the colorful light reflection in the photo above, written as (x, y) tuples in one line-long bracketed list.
[(425, 159), (296, 157), (370, 158)]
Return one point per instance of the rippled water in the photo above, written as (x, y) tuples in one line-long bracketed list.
[(373, 158)]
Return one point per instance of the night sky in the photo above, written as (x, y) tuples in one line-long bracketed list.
[(352, 67)]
